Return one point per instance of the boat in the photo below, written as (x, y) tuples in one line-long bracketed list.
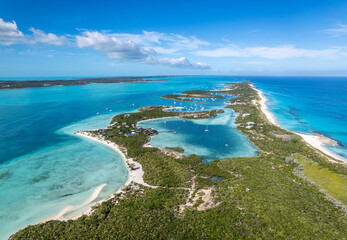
[(206, 130)]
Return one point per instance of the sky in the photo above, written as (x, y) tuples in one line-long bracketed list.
[(136, 38)]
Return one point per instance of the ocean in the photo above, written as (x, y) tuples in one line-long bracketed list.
[(45, 168)]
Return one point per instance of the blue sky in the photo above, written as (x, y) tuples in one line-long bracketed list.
[(116, 38)]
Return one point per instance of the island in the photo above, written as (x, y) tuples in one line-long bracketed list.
[(291, 190), (82, 81)]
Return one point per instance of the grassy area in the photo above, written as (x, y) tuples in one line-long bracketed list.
[(333, 183)]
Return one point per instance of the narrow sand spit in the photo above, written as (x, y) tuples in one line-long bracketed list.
[(317, 141)]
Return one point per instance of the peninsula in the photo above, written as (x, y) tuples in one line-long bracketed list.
[(290, 191)]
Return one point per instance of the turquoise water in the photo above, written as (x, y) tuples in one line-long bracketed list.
[(309, 105), (44, 167), (222, 139)]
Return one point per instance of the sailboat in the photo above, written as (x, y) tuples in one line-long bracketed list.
[(206, 130)]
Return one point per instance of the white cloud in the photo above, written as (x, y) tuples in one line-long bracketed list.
[(40, 36), (9, 33), (281, 52), (179, 63), (146, 38), (165, 50), (183, 43), (341, 29), (117, 46), (164, 43)]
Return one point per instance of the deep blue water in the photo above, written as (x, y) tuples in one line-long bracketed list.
[(309, 105), (44, 167)]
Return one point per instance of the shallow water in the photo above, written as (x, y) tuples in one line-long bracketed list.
[(44, 167)]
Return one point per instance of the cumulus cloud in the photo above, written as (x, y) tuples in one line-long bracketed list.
[(339, 30), (115, 47), (9, 33), (40, 36), (144, 47), (118, 47), (164, 43), (182, 62), (281, 52)]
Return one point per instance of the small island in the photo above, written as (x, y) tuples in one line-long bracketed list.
[(280, 194)]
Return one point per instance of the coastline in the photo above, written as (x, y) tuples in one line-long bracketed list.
[(316, 141), (135, 174)]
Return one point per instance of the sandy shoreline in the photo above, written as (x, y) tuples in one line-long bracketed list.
[(135, 175), (317, 141), (264, 108), (135, 172)]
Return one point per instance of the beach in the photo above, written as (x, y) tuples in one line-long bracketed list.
[(135, 175), (135, 172), (316, 141)]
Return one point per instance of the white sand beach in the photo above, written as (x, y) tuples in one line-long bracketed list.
[(264, 108), (317, 141), (60, 215), (135, 172), (135, 175)]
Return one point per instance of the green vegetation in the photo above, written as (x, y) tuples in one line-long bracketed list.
[(160, 169), (176, 149), (191, 96), (334, 184), (177, 97), (82, 81), (262, 197)]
